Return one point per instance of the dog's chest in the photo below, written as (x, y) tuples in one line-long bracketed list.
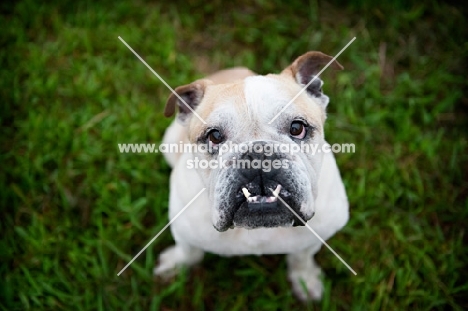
[(240, 241)]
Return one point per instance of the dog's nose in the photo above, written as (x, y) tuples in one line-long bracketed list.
[(260, 161)]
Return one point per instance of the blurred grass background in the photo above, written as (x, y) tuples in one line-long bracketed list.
[(74, 210)]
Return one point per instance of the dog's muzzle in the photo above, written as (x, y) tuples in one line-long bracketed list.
[(256, 203)]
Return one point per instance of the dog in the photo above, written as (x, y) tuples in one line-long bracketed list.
[(245, 210)]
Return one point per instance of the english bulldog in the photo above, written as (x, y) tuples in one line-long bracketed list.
[(253, 209)]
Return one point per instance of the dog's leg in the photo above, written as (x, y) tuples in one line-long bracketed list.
[(304, 274), (176, 256)]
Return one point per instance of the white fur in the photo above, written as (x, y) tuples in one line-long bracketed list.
[(193, 231)]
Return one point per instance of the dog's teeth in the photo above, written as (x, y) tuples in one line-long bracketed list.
[(246, 192), (256, 199), (277, 191), (270, 199), (252, 199)]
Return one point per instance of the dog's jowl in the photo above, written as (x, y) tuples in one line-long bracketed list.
[(261, 184)]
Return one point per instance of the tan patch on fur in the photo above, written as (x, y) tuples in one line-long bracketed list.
[(230, 75), (234, 95), (215, 96)]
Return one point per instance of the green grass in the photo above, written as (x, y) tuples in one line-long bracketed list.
[(74, 210)]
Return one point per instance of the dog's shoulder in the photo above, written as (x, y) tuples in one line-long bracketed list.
[(175, 134)]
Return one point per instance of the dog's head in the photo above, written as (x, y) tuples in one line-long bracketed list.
[(250, 139)]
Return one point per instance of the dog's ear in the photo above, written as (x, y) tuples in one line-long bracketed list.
[(306, 67), (187, 99)]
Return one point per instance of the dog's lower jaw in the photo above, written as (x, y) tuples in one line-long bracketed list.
[(288, 220), (242, 213)]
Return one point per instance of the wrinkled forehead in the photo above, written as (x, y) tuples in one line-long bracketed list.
[(255, 101)]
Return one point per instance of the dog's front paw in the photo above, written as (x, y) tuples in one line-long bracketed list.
[(167, 266), (173, 258), (306, 284)]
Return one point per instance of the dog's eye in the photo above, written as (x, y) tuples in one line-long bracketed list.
[(298, 129), (215, 137)]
